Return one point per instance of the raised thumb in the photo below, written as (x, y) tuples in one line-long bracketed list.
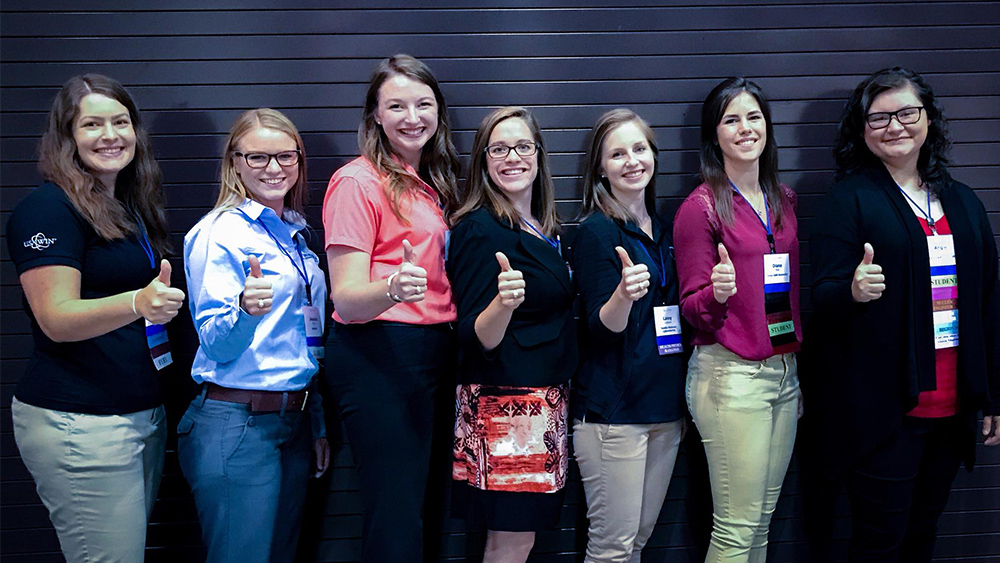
[(504, 262), (255, 268), (869, 254), (623, 255), (165, 270), (407, 252), (724, 255)]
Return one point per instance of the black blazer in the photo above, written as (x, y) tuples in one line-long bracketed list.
[(609, 365), (539, 347), (867, 362)]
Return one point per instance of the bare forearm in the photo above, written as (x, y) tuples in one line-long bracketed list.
[(81, 319), (614, 314), (362, 302), (491, 324)]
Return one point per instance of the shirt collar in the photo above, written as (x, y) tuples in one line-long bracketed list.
[(292, 221)]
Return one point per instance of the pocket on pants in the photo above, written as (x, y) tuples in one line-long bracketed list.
[(234, 437)]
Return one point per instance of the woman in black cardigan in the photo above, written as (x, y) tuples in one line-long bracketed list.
[(902, 368), (517, 339)]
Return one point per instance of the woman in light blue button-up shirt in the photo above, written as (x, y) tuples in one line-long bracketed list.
[(245, 444)]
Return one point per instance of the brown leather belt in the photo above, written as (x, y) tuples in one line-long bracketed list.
[(259, 401)]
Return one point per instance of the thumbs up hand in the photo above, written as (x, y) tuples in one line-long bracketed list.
[(409, 283), (158, 302), (510, 283), (723, 276), (257, 295), (635, 278), (869, 282)]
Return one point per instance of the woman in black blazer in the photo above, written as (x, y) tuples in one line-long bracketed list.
[(517, 339), (906, 345)]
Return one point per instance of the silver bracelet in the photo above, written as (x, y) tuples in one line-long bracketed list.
[(389, 293), (134, 293)]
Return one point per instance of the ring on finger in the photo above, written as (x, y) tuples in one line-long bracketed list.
[(260, 303)]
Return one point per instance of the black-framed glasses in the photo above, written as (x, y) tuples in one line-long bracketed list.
[(526, 148), (905, 116), (263, 159)]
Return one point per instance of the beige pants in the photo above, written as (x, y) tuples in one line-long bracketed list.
[(746, 412), (97, 475), (625, 469)]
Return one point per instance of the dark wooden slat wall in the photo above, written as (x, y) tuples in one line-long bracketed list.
[(193, 66)]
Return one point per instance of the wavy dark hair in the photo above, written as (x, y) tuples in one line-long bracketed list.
[(713, 168), (138, 190), (438, 160), (597, 192), (481, 191), (852, 153)]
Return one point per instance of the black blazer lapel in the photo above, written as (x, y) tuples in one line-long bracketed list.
[(547, 256)]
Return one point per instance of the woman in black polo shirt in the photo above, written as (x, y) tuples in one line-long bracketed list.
[(628, 404), (88, 246)]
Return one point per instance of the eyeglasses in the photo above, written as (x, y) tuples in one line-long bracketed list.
[(905, 116), (501, 151), (263, 160)]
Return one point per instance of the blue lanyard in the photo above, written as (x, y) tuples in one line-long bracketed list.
[(144, 242), (553, 243), (927, 214), (662, 264), (767, 215), (301, 272)]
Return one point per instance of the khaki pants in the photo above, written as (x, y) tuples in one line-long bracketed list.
[(625, 469), (97, 474), (746, 412)]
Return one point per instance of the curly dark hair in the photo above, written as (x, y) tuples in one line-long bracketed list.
[(850, 150)]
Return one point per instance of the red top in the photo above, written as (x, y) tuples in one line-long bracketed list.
[(740, 324), (943, 401), (357, 213)]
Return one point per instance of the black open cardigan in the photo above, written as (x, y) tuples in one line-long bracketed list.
[(867, 362)]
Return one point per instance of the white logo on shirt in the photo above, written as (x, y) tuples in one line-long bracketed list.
[(39, 242)]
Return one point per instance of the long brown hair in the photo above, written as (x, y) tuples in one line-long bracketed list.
[(232, 192), (713, 168), (438, 160), (597, 193), (138, 187), (481, 191)]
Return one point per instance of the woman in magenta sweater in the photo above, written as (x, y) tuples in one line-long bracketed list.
[(736, 243)]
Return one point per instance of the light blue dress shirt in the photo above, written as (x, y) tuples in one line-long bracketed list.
[(236, 349)]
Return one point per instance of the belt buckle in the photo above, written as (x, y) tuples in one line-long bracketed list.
[(305, 400)]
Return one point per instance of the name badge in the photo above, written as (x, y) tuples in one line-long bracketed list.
[(159, 345), (777, 273), (314, 331), (668, 329), (944, 290)]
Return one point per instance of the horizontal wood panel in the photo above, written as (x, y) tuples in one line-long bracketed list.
[(416, 7), (504, 20), (767, 44)]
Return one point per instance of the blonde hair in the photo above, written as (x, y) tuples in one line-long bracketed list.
[(232, 192)]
